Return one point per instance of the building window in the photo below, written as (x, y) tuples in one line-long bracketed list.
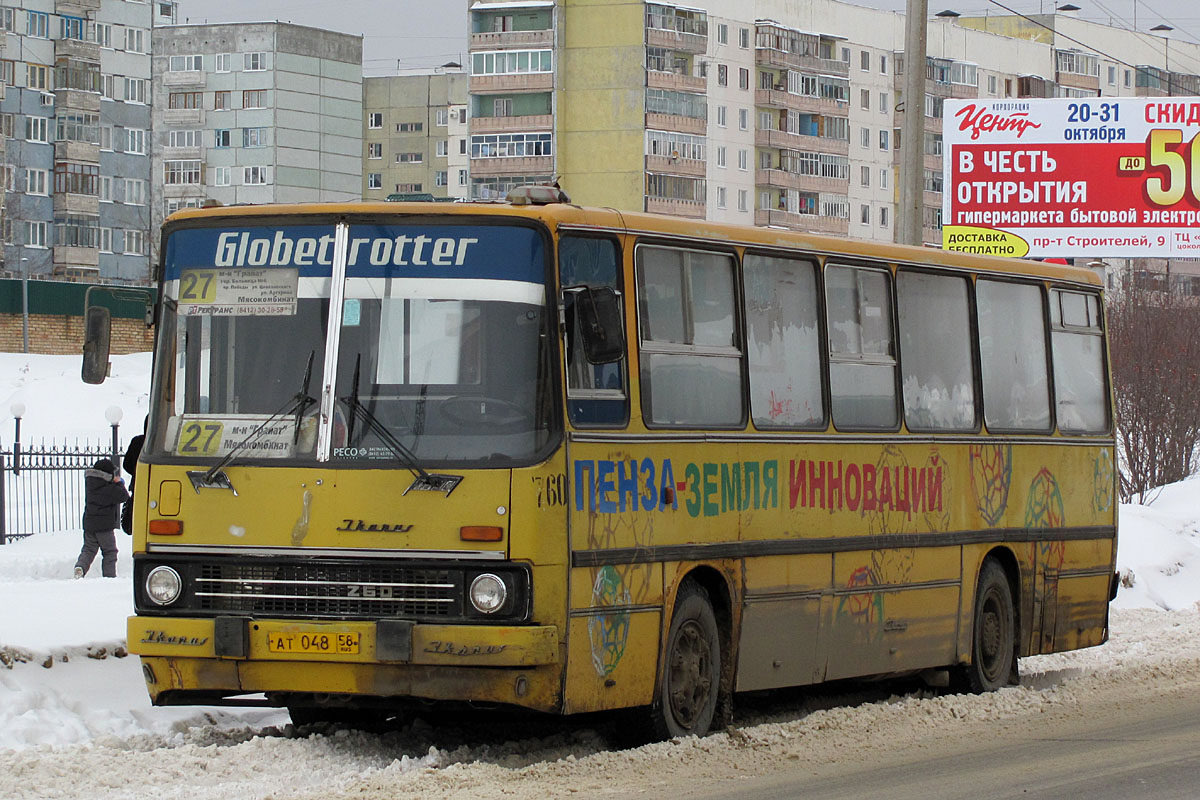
[(721, 116), (222, 138), (135, 242), (72, 178), (410, 127), (106, 240), (374, 180), (184, 139), (864, 99), (35, 234), (883, 102), (254, 62), (221, 101), (991, 84), (185, 100), (502, 107), (883, 65), (883, 179), (720, 197), (106, 193), (222, 62), (135, 192), (512, 62), (221, 176), (864, 176), (374, 149), (72, 28), (883, 216), (744, 119), (722, 75), (1126, 79), (743, 78), (135, 40), (254, 176), (722, 33), (106, 137), (864, 214), (743, 200), (37, 24), (254, 98), (135, 141), (409, 158), (442, 148), (37, 181), (439, 178), (865, 61), (864, 136), (186, 63), (37, 76), (408, 188), (440, 117), (8, 20), (254, 137), (721, 156), (37, 129), (744, 38), (135, 90), (101, 34), (177, 173), (375, 120), (511, 145), (743, 159), (883, 140)]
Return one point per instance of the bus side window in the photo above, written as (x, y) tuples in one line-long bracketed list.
[(691, 365), (783, 343), (1077, 349), (862, 354), (1012, 351), (935, 350), (596, 394)]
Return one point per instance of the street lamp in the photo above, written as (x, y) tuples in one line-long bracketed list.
[(18, 410), (113, 414)]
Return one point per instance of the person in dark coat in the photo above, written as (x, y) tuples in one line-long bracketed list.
[(104, 492), (130, 464)]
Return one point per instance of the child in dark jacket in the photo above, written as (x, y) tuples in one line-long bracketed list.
[(104, 492)]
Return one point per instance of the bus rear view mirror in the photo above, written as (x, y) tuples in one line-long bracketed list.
[(600, 324), (97, 336)]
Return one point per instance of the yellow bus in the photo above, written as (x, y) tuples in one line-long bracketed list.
[(534, 455)]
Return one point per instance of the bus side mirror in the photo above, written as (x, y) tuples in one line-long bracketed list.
[(600, 324), (97, 336)]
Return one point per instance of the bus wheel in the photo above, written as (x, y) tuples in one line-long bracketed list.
[(993, 638), (686, 699)]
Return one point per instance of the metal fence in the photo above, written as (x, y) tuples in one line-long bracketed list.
[(41, 487)]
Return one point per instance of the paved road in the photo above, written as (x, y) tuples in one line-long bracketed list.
[(1145, 749)]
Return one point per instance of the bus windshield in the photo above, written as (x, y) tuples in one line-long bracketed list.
[(359, 345)]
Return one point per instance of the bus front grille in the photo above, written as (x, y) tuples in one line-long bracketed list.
[(318, 589)]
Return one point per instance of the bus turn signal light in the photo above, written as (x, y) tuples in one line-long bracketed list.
[(165, 527), (480, 533)]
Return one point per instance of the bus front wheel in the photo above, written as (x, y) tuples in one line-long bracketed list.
[(993, 637), (690, 680)]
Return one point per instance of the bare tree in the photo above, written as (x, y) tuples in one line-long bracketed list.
[(1154, 338)]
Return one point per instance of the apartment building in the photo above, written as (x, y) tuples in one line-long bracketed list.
[(74, 126), (773, 112), (264, 112), (415, 134)]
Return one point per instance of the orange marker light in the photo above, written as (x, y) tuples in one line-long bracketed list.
[(480, 533), (165, 527)]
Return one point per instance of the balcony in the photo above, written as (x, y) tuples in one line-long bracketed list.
[(76, 205), (777, 98), (676, 122), (77, 100), (1076, 81), (539, 122), (764, 57), (677, 166), (84, 152), (67, 257), (183, 116), (692, 209), (189, 77), (676, 82), (76, 8), (77, 49), (510, 40), (677, 40), (523, 82), (525, 165), (183, 153), (796, 141), (781, 179), (807, 223)]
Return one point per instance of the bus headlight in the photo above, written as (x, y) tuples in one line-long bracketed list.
[(488, 593), (163, 585)]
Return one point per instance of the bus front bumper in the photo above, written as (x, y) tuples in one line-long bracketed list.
[(227, 656)]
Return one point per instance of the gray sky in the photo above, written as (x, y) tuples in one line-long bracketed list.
[(428, 33)]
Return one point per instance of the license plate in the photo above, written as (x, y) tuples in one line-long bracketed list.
[(340, 643)]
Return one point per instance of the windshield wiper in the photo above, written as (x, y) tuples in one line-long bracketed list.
[(424, 481), (215, 478)]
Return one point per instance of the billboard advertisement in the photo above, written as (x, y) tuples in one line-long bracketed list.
[(1099, 176)]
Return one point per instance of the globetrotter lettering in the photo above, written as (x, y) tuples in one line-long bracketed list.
[(837, 486), (242, 249)]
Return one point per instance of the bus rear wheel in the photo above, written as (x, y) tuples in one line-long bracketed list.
[(690, 680), (993, 638)]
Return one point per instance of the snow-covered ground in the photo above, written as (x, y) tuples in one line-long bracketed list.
[(75, 720)]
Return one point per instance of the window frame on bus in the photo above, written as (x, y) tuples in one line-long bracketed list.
[(1100, 331), (1043, 295), (973, 352), (814, 261), (648, 348), (888, 271), (570, 393)]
